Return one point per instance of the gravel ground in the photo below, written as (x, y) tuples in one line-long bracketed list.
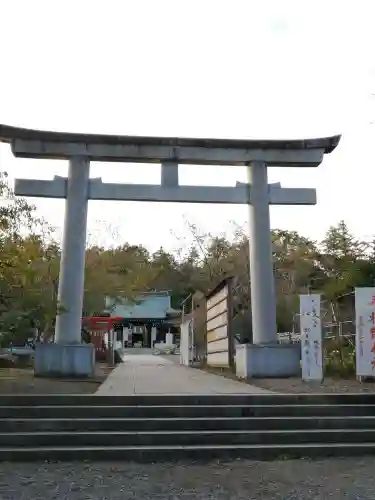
[(22, 381), (295, 385), (287, 480), (329, 385)]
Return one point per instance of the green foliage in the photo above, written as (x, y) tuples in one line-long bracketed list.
[(339, 357), (346, 261)]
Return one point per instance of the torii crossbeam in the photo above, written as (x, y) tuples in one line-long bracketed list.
[(80, 149)]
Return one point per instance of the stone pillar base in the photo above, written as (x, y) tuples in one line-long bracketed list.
[(60, 360), (267, 361)]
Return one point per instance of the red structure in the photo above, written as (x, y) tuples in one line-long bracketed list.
[(98, 327)]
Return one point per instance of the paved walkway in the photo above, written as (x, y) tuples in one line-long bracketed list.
[(150, 374)]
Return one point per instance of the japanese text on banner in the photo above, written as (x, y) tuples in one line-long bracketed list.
[(365, 331), (311, 337)]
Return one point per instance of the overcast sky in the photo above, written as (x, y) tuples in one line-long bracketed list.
[(208, 68)]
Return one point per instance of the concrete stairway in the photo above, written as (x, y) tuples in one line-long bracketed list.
[(153, 428)]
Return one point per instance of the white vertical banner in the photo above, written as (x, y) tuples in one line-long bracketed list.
[(365, 331), (311, 338)]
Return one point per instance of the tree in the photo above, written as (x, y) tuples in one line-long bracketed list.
[(342, 260), (24, 302), (119, 272)]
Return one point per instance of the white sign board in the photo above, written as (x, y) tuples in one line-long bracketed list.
[(365, 331), (311, 338), (217, 328)]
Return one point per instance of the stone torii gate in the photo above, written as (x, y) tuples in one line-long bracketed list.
[(67, 355)]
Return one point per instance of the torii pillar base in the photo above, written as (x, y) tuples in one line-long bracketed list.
[(64, 360), (268, 361)]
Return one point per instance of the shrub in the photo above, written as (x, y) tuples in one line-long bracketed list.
[(339, 357)]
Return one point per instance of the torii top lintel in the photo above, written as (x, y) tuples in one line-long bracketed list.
[(29, 143)]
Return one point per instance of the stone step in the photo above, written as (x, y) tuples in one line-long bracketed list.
[(174, 424), (186, 399), (148, 428), (208, 411), (187, 438), (199, 453)]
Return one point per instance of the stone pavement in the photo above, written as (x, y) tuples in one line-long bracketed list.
[(145, 373)]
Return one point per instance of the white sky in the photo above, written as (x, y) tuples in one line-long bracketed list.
[(237, 69)]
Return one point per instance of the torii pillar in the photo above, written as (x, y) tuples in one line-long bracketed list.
[(262, 283), (72, 264), (265, 357)]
